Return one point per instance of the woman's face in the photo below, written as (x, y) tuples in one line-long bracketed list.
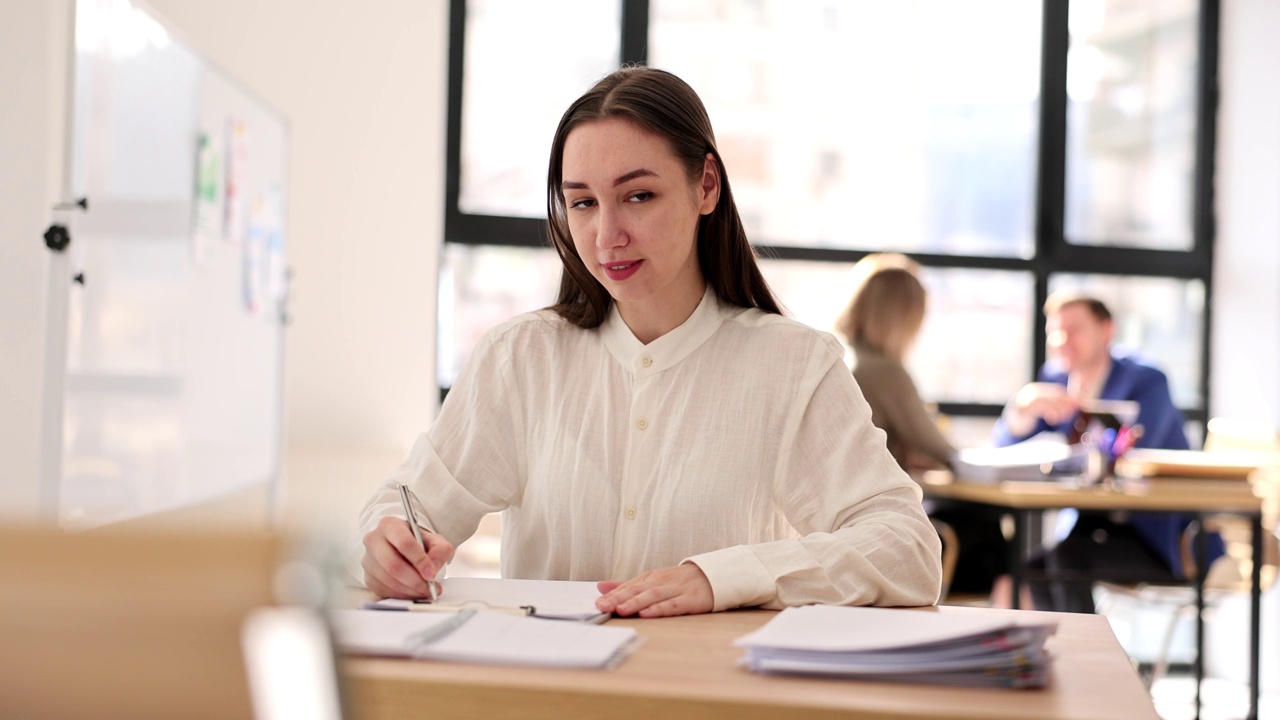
[(633, 215)]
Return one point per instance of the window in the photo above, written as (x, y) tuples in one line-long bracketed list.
[(482, 286), (1157, 318), (1131, 88), (865, 124), (1010, 147), (967, 309), (524, 65)]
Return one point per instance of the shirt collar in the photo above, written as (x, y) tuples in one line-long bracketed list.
[(1096, 388), (643, 360)]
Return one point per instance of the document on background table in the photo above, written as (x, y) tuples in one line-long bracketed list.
[(555, 599), (1036, 458), (889, 644), (1219, 464), (473, 636)]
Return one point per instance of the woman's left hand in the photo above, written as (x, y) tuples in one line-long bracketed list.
[(680, 590)]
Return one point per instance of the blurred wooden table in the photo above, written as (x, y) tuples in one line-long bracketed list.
[(1027, 499), (687, 668)]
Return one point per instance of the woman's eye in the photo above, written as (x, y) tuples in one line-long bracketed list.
[(581, 203), (640, 196)]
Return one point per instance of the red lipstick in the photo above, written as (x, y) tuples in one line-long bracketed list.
[(619, 271)]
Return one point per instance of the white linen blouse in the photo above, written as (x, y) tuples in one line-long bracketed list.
[(738, 441)]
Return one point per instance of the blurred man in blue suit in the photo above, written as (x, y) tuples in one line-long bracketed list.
[(1083, 366)]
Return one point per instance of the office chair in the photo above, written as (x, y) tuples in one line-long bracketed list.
[(950, 554), (1231, 572)]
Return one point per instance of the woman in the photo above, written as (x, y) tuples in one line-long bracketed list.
[(661, 429), (880, 324)]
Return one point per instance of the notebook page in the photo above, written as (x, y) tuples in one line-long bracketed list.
[(550, 598), (366, 632), (515, 640)]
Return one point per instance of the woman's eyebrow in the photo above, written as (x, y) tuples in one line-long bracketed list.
[(642, 172)]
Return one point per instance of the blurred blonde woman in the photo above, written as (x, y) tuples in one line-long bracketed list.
[(880, 324)]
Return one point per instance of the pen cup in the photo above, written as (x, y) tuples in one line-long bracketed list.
[(1099, 468)]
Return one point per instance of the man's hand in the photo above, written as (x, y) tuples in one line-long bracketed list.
[(1046, 400), (680, 590)]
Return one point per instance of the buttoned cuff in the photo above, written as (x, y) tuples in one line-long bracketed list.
[(738, 578)]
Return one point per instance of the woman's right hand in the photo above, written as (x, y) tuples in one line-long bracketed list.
[(396, 566)]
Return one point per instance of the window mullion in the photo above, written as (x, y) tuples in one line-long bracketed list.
[(635, 31)]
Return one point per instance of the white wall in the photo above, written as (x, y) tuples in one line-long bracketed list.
[(33, 60), (1245, 372)]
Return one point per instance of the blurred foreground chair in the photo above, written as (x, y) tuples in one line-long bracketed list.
[(130, 624)]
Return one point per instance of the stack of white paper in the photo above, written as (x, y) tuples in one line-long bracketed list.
[(1034, 459), (900, 645)]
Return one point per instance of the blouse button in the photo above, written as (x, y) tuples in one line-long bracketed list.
[(646, 361), (642, 423), (631, 513)]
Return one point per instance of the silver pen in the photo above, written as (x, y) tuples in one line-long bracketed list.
[(412, 519)]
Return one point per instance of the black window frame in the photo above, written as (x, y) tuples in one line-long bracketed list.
[(1053, 254)]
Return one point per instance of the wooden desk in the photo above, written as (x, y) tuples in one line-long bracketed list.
[(1027, 499), (1154, 495), (686, 668)]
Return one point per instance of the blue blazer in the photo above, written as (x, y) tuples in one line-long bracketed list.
[(1162, 427)]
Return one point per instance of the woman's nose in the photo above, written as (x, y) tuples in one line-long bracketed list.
[(610, 230)]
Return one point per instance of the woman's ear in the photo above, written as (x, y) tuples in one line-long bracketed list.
[(709, 188)]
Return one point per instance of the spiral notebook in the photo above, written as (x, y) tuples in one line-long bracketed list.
[(475, 636), (550, 599)]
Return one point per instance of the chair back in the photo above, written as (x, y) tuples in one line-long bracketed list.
[(1222, 433), (1232, 571), (950, 554)]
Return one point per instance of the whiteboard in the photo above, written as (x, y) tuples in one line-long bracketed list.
[(175, 338)]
